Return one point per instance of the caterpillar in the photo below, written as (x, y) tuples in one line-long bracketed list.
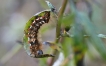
[(30, 39), (31, 42)]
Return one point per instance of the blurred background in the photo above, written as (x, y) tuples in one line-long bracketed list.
[(13, 16), (15, 13)]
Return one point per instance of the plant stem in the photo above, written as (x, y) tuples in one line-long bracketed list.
[(58, 28)]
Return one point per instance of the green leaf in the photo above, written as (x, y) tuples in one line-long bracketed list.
[(91, 30)]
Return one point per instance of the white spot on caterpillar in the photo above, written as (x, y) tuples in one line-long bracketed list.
[(30, 27), (37, 19), (33, 40), (40, 22), (34, 21), (43, 21), (31, 35), (41, 18)]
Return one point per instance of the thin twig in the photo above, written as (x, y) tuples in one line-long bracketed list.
[(58, 28)]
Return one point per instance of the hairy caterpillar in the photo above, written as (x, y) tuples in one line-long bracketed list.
[(30, 39)]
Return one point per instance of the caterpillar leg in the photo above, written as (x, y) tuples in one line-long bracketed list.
[(52, 45), (40, 54), (44, 55)]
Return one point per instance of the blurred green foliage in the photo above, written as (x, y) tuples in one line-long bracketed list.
[(80, 24)]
